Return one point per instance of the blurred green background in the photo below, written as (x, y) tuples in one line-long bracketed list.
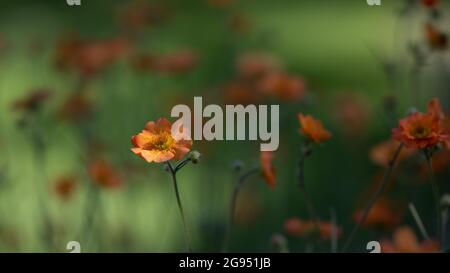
[(340, 48)]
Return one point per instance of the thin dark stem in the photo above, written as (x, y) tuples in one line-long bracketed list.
[(237, 189), (305, 152), (92, 207), (183, 163), (180, 206), (377, 194), (436, 194)]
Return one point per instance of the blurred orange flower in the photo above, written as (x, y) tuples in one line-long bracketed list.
[(156, 144), (421, 130), (89, 57), (313, 129), (352, 113), (268, 170), (255, 65), (297, 227), (77, 107), (283, 86), (104, 175), (65, 187), (381, 154), (175, 63), (33, 101), (435, 38), (440, 163), (404, 240), (139, 14), (241, 93), (384, 213), (430, 3)]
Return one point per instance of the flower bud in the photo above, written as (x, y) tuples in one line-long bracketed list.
[(195, 157)]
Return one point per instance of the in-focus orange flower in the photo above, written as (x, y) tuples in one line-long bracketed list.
[(33, 101), (298, 228), (421, 130), (65, 187), (384, 213), (104, 175), (435, 38), (268, 170), (313, 129), (404, 240), (156, 144), (283, 86), (381, 154)]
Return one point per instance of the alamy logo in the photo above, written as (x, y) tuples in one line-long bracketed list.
[(73, 2), (237, 119)]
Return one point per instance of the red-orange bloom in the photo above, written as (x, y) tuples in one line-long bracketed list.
[(384, 213), (435, 38), (103, 174), (268, 169), (283, 86), (178, 62), (297, 227), (76, 107), (33, 101), (421, 130), (89, 58), (381, 154), (430, 3), (405, 241), (65, 187), (255, 65), (156, 144), (313, 129)]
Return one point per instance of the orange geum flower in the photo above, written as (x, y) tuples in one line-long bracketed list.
[(435, 38), (421, 130), (268, 170), (384, 213), (405, 241), (156, 144), (313, 129), (33, 101), (430, 3), (65, 186), (381, 154), (298, 228), (103, 174), (283, 86)]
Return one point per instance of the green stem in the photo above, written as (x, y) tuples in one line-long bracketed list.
[(237, 189), (436, 194), (377, 194), (173, 172)]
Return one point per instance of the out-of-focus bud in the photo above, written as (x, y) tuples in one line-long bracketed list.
[(238, 166), (279, 243)]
